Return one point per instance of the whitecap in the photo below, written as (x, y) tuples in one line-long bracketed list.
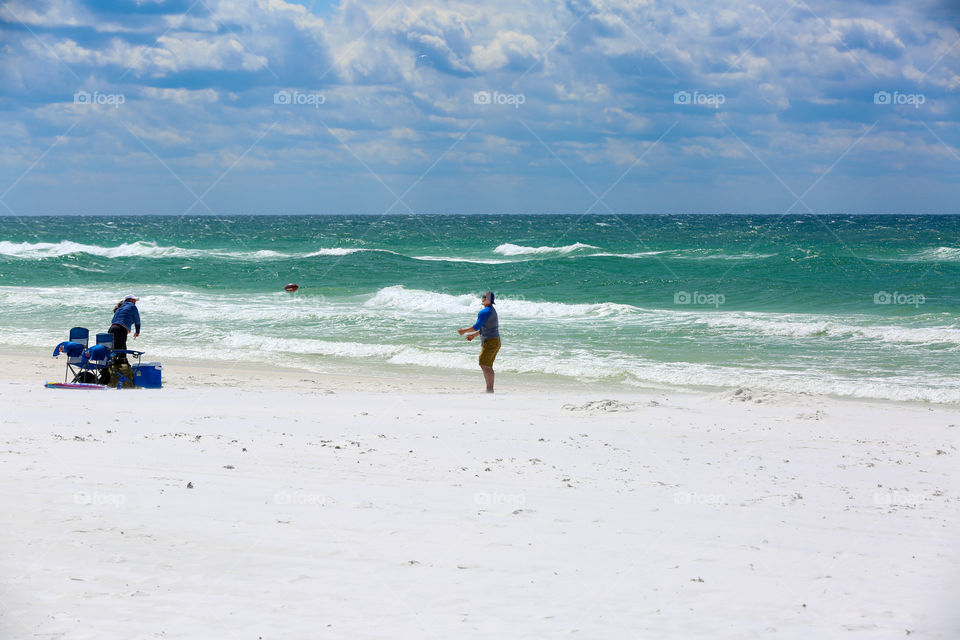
[(399, 297), (930, 254), (509, 249), (470, 260)]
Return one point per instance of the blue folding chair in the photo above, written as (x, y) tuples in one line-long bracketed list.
[(81, 335), (77, 335)]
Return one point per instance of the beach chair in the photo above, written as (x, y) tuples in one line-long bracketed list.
[(79, 335), (106, 339), (93, 364)]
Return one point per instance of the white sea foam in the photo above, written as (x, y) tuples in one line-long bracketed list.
[(142, 249), (342, 251), (733, 256), (941, 254), (639, 254), (471, 260), (808, 326), (33, 250), (903, 388), (307, 346), (519, 250), (680, 254), (399, 297), (930, 254)]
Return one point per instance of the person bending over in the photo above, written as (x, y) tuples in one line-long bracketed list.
[(125, 317)]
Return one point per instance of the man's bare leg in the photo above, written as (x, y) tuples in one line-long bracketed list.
[(488, 377)]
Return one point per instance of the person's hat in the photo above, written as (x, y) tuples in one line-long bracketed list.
[(130, 297), (489, 296)]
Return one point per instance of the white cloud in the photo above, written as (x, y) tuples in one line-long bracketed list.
[(178, 52), (52, 13), (405, 133), (508, 48), (181, 96), (175, 53), (164, 136), (585, 93)]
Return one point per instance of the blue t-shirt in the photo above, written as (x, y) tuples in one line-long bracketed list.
[(127, 315), (487, 323)]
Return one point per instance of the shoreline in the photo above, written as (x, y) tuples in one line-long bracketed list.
[(178, 373), (181, 373)]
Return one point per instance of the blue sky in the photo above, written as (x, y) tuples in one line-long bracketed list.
[(269, 106)]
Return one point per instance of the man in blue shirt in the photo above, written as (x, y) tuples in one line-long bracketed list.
[(487, 327)]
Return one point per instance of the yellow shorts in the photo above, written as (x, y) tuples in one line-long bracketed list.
[(488, 352)]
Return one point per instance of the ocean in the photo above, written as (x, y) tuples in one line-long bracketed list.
[(860, 306)]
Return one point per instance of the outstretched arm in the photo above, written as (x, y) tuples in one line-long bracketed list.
[(481, 318), (468, 330)]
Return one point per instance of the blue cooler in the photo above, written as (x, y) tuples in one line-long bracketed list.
[(147, 375)]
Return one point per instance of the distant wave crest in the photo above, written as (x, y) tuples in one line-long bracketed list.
[(32, 250), (683, 254), (399, 297), (800, 326), (509, 249), (144, 249), (930, 254)]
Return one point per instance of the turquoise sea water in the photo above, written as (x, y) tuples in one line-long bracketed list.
[(861, 306)]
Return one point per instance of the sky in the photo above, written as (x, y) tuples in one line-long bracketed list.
[(228, 107)]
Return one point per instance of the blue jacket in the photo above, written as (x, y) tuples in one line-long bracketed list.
[(127, 315)]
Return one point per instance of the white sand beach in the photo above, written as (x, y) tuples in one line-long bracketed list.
[(244, 502)]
